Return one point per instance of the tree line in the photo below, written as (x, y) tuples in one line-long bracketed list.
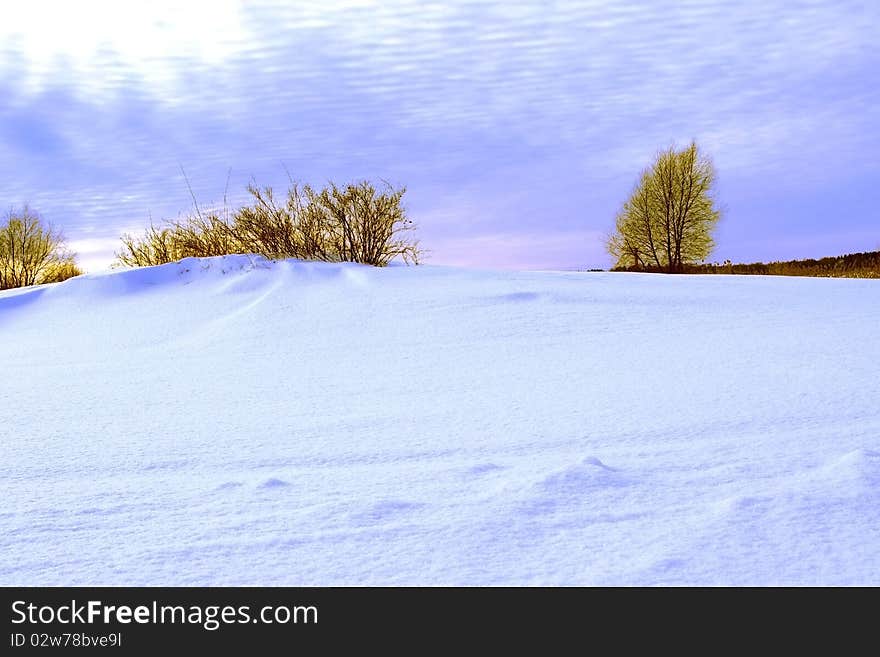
[(851, 265)]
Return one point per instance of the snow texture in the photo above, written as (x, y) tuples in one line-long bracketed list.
[(232, 421)]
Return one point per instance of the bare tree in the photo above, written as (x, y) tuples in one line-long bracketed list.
[(667, 221), (31, 252)]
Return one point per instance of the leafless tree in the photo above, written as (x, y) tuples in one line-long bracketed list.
[(31, 252), (667, 221)]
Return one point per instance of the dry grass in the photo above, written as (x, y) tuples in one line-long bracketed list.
[(852, 265)]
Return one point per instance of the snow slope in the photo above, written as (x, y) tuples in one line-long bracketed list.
[(235, 421)]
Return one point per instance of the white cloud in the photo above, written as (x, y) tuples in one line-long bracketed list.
[(148, 39), (94, 253)]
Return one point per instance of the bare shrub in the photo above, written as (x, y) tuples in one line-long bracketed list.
[(203, 236), (61, 271), (355, 223), (155, 247), (277, 229), (366, 225), (32, 253)]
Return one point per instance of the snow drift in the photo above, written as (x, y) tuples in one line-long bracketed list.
[(235, 421)]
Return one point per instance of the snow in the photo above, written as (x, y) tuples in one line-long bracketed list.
[(236, 421)]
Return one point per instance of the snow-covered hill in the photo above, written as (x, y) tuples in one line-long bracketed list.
[(235, 421)]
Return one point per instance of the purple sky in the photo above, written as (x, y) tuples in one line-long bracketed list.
[(518, 128)]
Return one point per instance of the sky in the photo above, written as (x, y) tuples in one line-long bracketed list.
[(518, 128)]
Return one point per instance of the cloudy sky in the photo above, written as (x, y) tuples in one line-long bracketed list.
[(517, 127)]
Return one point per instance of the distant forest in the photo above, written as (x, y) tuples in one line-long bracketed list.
[(853, 265)]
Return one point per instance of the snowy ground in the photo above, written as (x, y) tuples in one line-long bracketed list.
[(232, 421)]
